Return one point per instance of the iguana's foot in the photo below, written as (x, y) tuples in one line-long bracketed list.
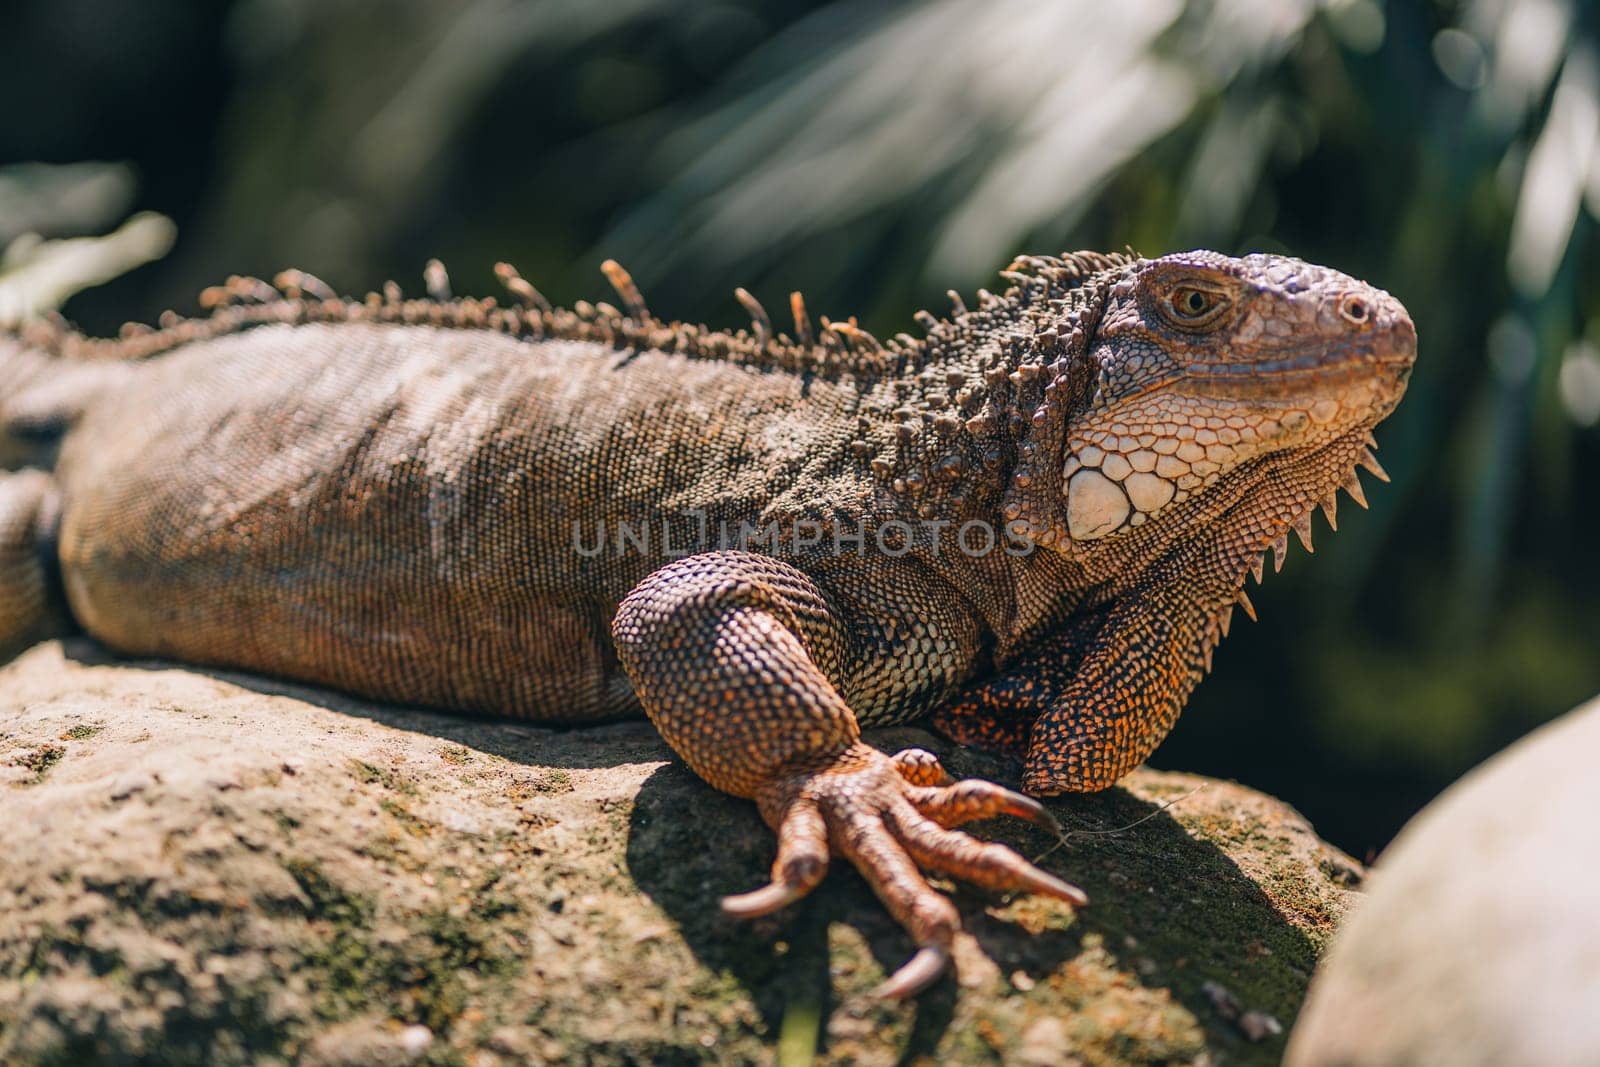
[(891, 816)]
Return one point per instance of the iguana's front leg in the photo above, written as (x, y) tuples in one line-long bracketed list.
[(1093, 699), (997, 713), (738, 660), (1126, 694)]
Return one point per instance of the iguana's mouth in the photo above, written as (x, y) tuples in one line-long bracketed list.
[(1391, 349), (1342, 374), (1325, 363)]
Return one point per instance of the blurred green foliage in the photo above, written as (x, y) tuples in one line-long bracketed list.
[(876, 152)]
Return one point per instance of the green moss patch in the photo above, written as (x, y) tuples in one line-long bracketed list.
[(39, 762)]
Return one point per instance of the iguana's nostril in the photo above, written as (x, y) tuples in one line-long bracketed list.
[(1355, 309)]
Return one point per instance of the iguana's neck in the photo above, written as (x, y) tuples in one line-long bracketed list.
[(974, 428)]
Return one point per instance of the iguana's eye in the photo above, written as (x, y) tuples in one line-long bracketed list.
[(1190, 306)]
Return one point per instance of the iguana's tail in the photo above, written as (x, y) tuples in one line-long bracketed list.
[(32, 606)]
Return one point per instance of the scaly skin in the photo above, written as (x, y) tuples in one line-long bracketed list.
[(536, 512)]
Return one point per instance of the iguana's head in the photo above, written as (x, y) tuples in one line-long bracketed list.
[(1211, 371)]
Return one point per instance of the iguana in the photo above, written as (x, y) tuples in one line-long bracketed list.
[(1030, 525)]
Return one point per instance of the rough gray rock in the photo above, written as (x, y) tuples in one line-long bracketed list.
[(1479, 943), (209, 868)]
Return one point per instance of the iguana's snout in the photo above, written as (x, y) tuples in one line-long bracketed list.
[(1206, 363)]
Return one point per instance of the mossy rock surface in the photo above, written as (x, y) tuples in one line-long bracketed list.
[(209, 868)]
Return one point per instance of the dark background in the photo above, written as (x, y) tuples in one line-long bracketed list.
[(874, 154)]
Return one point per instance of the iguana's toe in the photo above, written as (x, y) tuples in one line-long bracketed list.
[(801, 863), (930, 919), (864, 806), (921, 767), (972, 799), (980, 862), (949, 802)]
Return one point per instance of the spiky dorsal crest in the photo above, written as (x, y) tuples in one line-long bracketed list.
[(296, 297), (1066, 271), (838, 348)]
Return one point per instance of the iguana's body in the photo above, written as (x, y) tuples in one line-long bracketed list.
[(445, 503)]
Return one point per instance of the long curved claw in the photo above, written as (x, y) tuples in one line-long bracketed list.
[(919, 972), (801, 863), (973, 798), (979, 862), (763, 901)]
